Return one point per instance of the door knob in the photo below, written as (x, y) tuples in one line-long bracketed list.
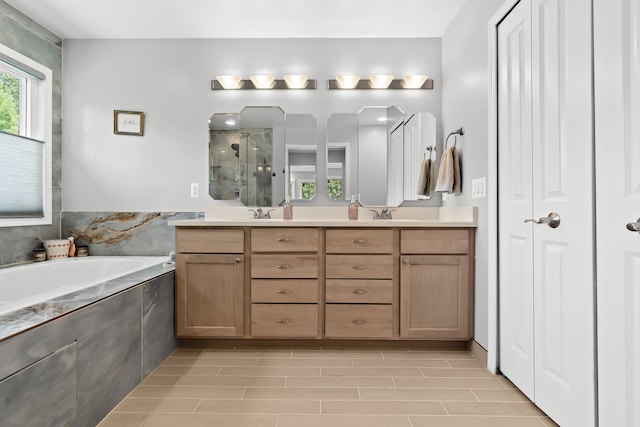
[(552, 220), (634, 226)]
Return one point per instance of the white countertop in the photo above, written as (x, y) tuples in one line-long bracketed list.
[(405, 217)]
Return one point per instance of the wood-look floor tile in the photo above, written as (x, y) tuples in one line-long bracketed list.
[(400, 363), (548, 422), (187, 392), (522, 409), (161, 380), (210, 420), (258, 407), (506, 383), (306, 362), (372, 372), (115, 419), (409, 394), (458, 421), (211, 361), (343, 421), (254, 354), (267, 371), (445, 355), (187, 370), (186, 352), (500, 395), (232, 381), (465, 363), (382, 408), (148, 406), (475, 383), (340, 382), (337, 354), (456, 373), (294, 393)]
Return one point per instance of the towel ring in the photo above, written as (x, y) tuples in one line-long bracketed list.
[(430, 149), (459, 131)]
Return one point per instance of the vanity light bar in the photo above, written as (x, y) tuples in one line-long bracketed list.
[(255, 82), (368, 84)]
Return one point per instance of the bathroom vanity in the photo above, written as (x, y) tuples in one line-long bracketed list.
[(322, 276)]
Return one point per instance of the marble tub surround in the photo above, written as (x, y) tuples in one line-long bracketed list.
[(123, 233), (18, 321), (337, 217), (73, 370)]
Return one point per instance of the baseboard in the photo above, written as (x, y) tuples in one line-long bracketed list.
[(328, 344), (478, 352)]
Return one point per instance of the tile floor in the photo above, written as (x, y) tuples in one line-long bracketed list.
[(324, 388)]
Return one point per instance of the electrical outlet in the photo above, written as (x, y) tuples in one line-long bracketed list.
[(195, 190)]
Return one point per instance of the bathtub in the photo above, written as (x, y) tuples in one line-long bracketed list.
[(30, 284)]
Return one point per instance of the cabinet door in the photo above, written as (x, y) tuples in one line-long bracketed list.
[(209, 295), (435, 297)]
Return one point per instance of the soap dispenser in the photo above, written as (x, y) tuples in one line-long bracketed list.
[(287, 210), (353, 208)]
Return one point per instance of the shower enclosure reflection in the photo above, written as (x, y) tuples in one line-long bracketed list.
[(241, 161)]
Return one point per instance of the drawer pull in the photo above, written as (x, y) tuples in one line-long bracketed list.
[(283, 267), (359, 267), (284, 321), (359, 292), (359, 241), (238, 260), (283, 239), (284, 291), (358, 322)]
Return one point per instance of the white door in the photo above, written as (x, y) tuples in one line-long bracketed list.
[(617, 111), (515, 174), (559, 370)]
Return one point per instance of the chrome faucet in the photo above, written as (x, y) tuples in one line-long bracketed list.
[(385, 213), (260, 214)]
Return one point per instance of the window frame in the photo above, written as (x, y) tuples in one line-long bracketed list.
[(38, 123)]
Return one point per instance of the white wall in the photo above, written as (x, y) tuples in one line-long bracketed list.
[(170, 81), (464, 103)]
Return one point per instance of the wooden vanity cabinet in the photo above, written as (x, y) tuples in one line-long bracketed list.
[(359, 283), (436, 284), (209, 282), (285, 282)]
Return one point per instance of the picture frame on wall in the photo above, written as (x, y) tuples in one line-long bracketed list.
[(128, 122)]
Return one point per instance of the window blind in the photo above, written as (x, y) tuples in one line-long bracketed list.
[(21, 177)]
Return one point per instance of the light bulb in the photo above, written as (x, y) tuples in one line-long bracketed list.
[(229, 81), (380, 81), (414, 81), (296, 81), (347, 81), (262, 81)]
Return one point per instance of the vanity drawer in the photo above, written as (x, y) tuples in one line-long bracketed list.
[(284, 291), (360, 266), (284, 320), (284, 240), (284, 266), (358, 321), (359, 241), (434, 241), (359, 291), (204, 240)]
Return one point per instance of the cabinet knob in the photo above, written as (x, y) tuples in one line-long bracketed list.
[(359, 292), (283, 321), (238, 259), (359, 267), (284, 291), (405, 261), (359, 241), (283, 239), (283, 267), (358, 322)]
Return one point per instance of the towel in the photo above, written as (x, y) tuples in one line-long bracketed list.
[(446, 172), (423, 177), (431, 179), (449, 176), (457, 182)]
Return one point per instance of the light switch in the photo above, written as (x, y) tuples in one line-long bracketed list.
[(479, 188), (195, 190)]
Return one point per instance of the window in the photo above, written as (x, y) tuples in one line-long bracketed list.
[(25, 140)]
